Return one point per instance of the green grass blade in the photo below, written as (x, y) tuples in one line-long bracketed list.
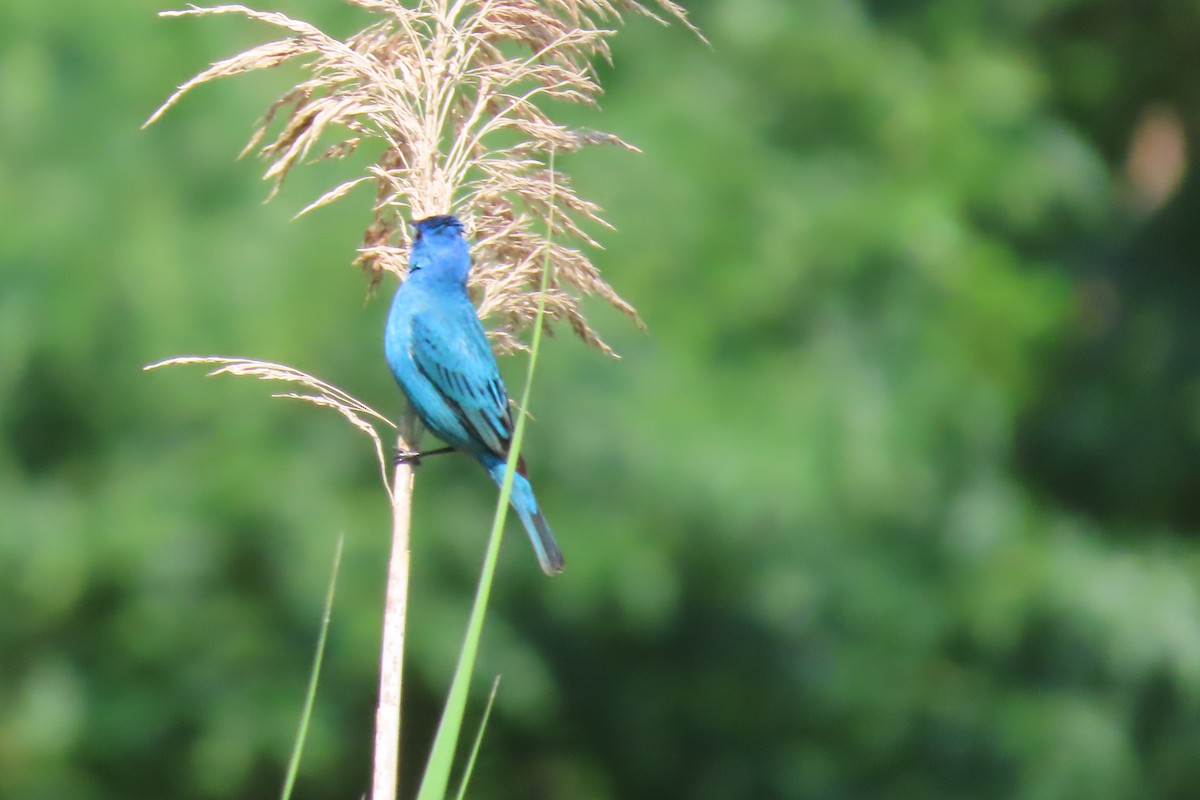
[(470, 766), (436, 779), (311, 696)]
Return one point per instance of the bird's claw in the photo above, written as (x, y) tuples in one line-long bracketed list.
[(406, 457), (414, 459)]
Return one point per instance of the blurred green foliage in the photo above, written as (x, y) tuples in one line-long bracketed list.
[(896, 499)]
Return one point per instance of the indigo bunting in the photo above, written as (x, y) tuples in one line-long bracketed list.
[(438, 352)]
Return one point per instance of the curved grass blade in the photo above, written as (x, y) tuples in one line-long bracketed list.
[(311, 695), (436, 779), (470, 765)]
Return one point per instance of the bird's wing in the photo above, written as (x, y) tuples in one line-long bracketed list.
[(450, 349)]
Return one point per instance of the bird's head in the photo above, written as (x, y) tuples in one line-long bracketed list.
[(440, 248), (440, 225)]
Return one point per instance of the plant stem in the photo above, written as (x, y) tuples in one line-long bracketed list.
[(385, 775)]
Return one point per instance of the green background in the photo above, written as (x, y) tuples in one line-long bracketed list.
[(898, 496)]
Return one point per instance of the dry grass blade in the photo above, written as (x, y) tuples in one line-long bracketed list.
[(438, 83), (326, 395)]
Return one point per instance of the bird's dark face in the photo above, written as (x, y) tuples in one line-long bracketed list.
[(442, 224)]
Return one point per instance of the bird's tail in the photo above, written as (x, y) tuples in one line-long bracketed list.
[(524, 503)]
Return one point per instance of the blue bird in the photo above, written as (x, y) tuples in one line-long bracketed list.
[(438, 352)]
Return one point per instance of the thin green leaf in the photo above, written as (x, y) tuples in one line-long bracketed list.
[(311, 696), (470, 767), (436, 779)]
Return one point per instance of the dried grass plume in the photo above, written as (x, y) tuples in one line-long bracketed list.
[(452, 88), (325, 395)]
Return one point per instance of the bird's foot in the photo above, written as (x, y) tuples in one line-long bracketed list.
[(407, 457)]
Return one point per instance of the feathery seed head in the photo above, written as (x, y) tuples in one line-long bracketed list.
[(440, 84)]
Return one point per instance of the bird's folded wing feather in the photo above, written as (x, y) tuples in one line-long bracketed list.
[(452, 352)]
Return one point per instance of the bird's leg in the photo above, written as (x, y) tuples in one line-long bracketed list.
[(404, 457)]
